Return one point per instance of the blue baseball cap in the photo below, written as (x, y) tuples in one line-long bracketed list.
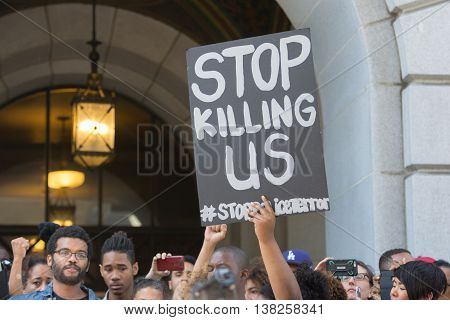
[(297, 256)]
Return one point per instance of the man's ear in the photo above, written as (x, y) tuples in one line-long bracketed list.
[(49, 260), (87, 267), (135, 268), (101, 269)]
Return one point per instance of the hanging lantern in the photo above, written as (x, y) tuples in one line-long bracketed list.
[(93, 115), (93, 129)]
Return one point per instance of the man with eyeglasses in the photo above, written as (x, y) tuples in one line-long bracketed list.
[(68, 252)]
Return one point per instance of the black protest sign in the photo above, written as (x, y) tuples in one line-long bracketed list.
[(256, 127)]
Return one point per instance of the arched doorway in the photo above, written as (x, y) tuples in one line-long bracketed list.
[(142, 59)]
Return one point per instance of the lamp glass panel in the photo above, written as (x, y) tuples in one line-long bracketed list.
[(95, 127), (91, 161), (65, 179)]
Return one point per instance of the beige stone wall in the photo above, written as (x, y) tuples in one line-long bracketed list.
[(383, 73), (423, 29)]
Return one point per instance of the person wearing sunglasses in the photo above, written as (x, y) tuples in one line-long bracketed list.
[(68, 253)]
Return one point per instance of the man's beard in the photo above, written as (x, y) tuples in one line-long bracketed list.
[(59, 275)]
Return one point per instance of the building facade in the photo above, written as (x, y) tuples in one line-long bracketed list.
[(383, 73)]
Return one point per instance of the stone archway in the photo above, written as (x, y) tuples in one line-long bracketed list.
[(148, 69)]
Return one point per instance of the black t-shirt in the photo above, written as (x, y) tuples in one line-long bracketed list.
[(56, 297)]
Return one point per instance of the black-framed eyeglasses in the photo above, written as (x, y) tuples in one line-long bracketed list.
[(358, 277), (66, 254)]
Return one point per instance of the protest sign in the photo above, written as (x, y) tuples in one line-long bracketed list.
[(256, 127)]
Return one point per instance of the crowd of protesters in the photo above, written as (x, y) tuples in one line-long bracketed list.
[(218, 272)]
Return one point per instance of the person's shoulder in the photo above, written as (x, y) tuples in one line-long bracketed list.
[(37, 295), (90, 292), (45, 294)]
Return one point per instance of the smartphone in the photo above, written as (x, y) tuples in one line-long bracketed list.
[(386, 284), (339, 268), (173, 263)]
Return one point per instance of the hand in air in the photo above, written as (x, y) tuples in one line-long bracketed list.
[(263, 219), (20, 247), (215, 234)]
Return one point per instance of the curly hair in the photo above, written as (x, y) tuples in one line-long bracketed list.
[(314, 285), (258, 273), (336, 290), (69, 232)]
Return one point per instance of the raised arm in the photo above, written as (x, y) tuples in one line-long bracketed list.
[(19, 248), (213, 235), (282, 279)]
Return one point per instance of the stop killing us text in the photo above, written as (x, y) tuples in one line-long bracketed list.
[(293, 108)]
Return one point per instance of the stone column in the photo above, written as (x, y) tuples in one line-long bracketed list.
[(358, 72), (423, 29)]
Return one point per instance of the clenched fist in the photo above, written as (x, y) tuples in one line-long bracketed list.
[(215, 234), (20, 247)]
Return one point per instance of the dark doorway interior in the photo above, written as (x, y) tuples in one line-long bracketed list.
[(149, 187)]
